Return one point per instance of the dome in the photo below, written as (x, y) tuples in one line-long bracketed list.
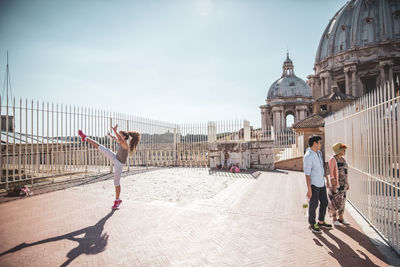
[(360, 23), (289, 85)]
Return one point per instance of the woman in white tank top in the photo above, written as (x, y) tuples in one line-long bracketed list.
[(118, 159)]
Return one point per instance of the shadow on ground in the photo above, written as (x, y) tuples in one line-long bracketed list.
[(343, 253), (93, 242)]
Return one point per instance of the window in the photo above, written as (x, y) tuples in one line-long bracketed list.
[(369, 84), (289, 120), (342, 86)]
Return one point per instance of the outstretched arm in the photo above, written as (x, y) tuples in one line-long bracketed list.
[(117, 134), (112, 137), (119, 138)]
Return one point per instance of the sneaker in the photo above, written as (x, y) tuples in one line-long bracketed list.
[(336, 223), (315, 228), (325, 225), (82, 135), (344, 222), (116, 204)]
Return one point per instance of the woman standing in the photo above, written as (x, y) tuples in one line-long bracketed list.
[(118, 159), (339, 183)]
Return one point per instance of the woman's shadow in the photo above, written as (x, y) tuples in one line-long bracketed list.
[(93, 242)]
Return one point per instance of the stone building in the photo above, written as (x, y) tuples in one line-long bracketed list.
[(289, 95), (359, 49), (358, 52)]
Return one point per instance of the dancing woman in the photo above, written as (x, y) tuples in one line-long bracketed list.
[(118, 159)]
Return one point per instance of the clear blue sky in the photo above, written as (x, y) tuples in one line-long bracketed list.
[(177, 61)]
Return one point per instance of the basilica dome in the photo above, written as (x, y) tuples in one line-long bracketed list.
[(359, 50), (288, 97), (358, 24), (289, 85)]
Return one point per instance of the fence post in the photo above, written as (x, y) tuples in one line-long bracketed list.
[(127, 129), (7, 127), (175, 147), (1, 147), (111, 165), (212, 132), (246, 126)]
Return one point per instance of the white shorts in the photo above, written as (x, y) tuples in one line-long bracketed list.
[(117, 164)]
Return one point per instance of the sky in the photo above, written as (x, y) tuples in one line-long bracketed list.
[(178, 61)]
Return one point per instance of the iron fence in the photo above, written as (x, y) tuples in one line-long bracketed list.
[(370, 127), (39, 141)]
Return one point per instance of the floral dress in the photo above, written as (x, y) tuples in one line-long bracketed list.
[(338, 199)]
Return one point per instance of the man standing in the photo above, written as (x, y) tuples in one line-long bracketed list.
[(316, 189)]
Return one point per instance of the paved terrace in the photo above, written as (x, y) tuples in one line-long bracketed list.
[(178, 217)]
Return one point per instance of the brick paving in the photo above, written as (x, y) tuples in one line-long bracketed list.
[(178, 217)]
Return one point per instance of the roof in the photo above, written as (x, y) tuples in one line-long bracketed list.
[(336, 96), (313, 121)]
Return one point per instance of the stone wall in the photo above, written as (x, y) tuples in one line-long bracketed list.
[(250, 154), (237, 153), (262, 155)]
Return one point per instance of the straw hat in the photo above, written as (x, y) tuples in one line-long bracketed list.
[(338, 148)]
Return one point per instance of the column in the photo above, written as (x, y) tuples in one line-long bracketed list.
[(278, 121), (283, 120), (390, 78), (382, 74), (354, 82), (327, 84), (264, 123), (322, 87), (274, 115), (301, 114), (346, 76)]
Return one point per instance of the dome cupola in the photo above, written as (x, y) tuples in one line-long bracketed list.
[(289, 85)]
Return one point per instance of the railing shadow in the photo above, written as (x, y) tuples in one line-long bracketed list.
[(93, 242), (247, 174)]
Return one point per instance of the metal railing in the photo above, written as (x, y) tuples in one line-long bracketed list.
[(259, 134), (287, 144), (39, 141), (370, 127)]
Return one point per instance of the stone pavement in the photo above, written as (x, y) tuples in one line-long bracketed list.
[(178, 217)]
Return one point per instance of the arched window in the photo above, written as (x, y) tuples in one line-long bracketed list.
[(289, 120)]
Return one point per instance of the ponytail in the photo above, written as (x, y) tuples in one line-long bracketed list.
[(135, 138)]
